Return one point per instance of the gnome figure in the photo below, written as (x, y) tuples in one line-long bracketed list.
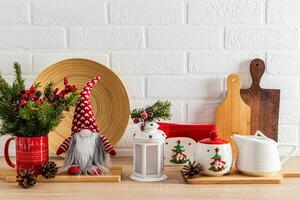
[(86, 149)]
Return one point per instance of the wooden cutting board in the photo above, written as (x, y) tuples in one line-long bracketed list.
[(264, 103), (233, 114), (9, 175)]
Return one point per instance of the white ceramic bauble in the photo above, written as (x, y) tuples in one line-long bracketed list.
[(214, 155)]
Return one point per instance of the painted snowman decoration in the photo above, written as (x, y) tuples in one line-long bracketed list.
[(149, 127), (214, 155)]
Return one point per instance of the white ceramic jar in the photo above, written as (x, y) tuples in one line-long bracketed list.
[(214, 155)]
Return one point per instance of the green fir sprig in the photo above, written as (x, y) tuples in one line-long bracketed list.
[(160, 110), (31, 113)]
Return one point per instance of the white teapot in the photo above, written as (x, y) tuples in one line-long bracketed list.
[(258, 155), (214, 155)]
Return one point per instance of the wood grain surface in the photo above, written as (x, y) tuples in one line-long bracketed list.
[(116, 172), (264, 103), (233, 115), (235, 178), (174, 188)]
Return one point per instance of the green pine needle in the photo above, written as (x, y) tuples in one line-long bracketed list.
[(32, 119), (160, 111)]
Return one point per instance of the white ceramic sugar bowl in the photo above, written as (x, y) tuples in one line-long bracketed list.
[(214, 155)]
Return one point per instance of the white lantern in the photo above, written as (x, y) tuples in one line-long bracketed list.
[(148, 158)]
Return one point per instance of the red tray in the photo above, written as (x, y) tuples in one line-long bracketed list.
[(194, 131)]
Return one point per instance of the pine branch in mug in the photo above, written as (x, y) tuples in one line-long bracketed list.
[(31, 112)]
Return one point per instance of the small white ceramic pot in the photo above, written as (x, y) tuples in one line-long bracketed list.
[(214, 155)]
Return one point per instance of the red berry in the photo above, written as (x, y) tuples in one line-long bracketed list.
[(23, 102), (61, 95), (38, 101), (66, 81), (144, 115), (33, 96), (74, 88), (27, 92), (32, 89), (55, 90), (25, 96), (136, 120)]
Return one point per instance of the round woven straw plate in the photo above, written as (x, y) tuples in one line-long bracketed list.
[(109, 98)]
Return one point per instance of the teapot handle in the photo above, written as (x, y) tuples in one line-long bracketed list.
[(293, 150), (259, 134)]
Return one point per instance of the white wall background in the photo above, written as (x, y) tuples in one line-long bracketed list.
[(180, 50)]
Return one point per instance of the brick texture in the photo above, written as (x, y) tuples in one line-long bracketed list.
[(14, 12), (225, 12), (262, 38), (32, 38), (146, 13), (184, 37), (148, 63), (68, 13), (106, 38)]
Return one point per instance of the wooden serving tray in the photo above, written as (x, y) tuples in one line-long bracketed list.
[(116, 172), (290, 174), (234, 177)]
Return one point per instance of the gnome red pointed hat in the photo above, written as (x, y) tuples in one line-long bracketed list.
[(84, 119), (83, 116)]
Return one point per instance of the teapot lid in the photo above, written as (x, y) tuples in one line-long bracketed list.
[(213, 139)]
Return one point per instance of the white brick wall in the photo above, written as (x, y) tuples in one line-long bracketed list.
[(225, 12), (77, 13), (19, 15), (106, 37), (180, 50)]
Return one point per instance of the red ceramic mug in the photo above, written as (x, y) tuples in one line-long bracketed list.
[(31, 152)]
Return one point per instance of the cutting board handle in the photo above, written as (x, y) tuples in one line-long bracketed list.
[(233, 83), (257, 69)]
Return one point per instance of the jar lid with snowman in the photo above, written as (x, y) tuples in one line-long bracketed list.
[(214, 155)]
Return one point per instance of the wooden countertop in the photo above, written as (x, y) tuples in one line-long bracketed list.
[(173, 188)]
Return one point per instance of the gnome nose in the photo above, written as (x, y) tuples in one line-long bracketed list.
[(85, 133)]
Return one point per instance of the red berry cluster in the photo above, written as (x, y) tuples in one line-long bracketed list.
[(55, 96), (68, 89), (34, 95), (31, 94), (144, 116)]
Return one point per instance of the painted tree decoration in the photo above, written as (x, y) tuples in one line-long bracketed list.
[(218, 164), (179, 157)]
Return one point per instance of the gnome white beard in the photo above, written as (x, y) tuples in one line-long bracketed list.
[(87, 151), (85, 147)]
